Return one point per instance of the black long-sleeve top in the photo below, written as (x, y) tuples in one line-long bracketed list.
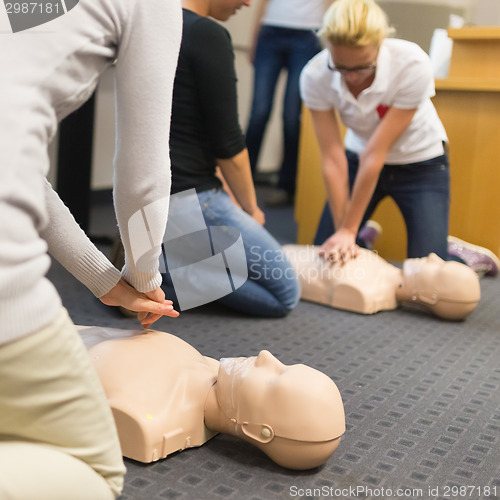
[(205, 122)]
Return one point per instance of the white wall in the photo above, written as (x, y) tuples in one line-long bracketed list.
[(485, 12), (241, 28), (414, 20)]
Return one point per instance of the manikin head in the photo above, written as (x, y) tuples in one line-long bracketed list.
[(294, 413), (449, 289)]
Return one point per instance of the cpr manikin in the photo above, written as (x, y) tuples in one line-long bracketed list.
[(368, 283), (166, 396)]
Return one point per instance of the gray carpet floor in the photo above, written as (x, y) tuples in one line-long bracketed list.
[(421, 397)]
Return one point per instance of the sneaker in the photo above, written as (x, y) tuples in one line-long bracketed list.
[(483, 261), (369, 233)]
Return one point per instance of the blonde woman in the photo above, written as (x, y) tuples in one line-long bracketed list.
[(381, 89)]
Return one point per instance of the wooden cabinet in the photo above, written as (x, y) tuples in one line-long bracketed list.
[(468, 103)]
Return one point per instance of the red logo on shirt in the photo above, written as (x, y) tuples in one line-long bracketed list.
[(382, 110)]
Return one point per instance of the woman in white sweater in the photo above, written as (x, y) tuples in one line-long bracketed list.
[(55, 426)]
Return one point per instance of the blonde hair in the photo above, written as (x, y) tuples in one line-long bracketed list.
[(355, 23)]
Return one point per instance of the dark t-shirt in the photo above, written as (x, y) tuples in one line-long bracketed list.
[(205, 122)]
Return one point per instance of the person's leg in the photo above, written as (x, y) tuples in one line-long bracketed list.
[(272, 288), (267, 67), (301, 46), (422, 192), (423, 196), (326, 226), (37, 471), (50, 395)]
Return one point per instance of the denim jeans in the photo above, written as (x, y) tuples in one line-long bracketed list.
[(422, 193), (272, 288), (277, 49)]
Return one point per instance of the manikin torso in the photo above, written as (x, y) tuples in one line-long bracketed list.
[(154, 417), (166, 396), (368, 283)]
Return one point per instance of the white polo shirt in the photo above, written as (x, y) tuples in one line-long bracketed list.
[(404, 80)]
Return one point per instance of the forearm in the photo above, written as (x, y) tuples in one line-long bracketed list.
[(148, 53), (71, 247), (336, 178), (334, 162), (260, 12), (371, 163), (238, 175), (364, 186), (337, 189), (261, 9)]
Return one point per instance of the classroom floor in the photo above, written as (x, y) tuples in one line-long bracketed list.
[(421, 397)]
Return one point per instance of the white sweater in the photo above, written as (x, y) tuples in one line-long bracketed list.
[(46, 73)]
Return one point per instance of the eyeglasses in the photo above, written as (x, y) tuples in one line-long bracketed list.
[(362, 71)]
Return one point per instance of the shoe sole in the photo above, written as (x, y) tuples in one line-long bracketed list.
[(476, 248)]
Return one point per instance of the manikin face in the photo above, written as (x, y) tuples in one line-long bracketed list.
[(430, 263), (255, 377), (357, 65), (222, 10), (295, 402), (431, 279), (422, 274)]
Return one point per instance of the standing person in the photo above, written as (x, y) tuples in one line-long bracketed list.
[(56, 428), (206, 134), (395, 142), (284, 38)]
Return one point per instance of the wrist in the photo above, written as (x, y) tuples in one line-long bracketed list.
[(348, 230), (251, 211)]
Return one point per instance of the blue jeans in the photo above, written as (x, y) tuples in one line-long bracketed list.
[(272, 288), (422, 193), (277, 49)]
